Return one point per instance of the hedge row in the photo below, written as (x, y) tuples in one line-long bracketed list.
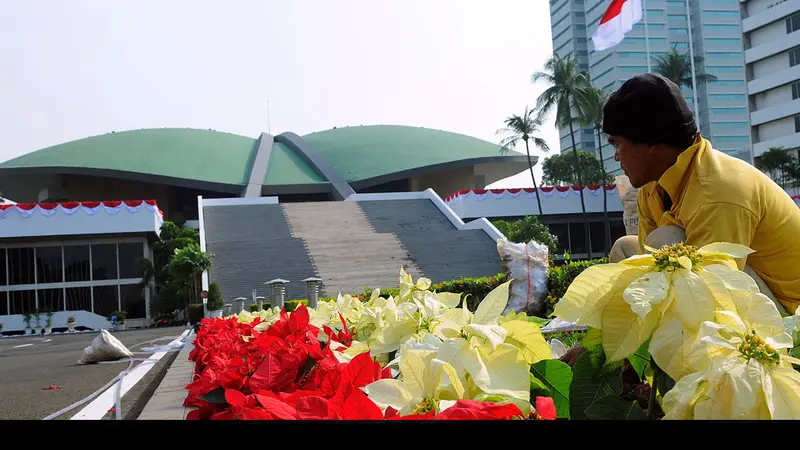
[(475, 289)]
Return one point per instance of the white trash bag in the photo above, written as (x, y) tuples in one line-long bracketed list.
[(527, 265), (105, 347)]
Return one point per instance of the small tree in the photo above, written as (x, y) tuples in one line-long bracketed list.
[(560, 170), (186, 268), (215, 302), (780, 166)]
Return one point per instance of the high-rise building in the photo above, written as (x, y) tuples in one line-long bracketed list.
[(772, 54), (714, 28)]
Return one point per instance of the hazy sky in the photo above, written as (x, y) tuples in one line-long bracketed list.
[(77, 68)]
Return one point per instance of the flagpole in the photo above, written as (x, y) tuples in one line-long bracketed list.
[(691, 61), (646, 34)]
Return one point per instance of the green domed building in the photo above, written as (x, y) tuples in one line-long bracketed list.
[(174, 165)]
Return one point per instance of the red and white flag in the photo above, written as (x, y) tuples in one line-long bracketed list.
[(618, 20)]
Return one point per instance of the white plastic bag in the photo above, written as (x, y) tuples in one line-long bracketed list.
[(527, 265), (105, 347), (630, 210)]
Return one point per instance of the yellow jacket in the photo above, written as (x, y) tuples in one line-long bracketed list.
[(719, 198)]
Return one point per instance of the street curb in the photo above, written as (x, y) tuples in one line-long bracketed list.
[(167, 400)]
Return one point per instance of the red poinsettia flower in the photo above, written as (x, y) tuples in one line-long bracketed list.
[(242, 408), (476, 410), (545, 408)]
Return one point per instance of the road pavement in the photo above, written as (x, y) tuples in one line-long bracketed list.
[(30, 364)]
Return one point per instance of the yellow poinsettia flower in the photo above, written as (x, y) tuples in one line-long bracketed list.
[(425, 381), (409, 289), (744, 371), (666, 294)]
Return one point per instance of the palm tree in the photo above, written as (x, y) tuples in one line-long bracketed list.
[(522, 128), (591, 112), (565, 93), (677, 68)]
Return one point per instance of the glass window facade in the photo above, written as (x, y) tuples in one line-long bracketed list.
[(101, 276)]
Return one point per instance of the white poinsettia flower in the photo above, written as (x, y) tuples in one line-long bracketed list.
[(743, 369), (425, 382)]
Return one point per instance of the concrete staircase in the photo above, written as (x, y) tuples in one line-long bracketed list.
[(345, 249), (441, 251), (252, 244)]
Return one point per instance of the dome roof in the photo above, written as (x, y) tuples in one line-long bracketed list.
[(212, 159)]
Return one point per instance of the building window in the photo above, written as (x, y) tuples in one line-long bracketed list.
[(729, 125), (73, 276), (724, 41), (797, 124), (794, 56), (676, 16), (721, 13), (732, 139), (735, 69), (728, 82), (48, 265), (79, 298), (727, 96), (2, 267), (795, 96), (21, 266), (129, 256), (729, 110), (792, 23), (716, 27), (724, 55), (678, 31), (676, 4), (106, 300)]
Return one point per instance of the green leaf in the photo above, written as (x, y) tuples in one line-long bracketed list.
[(556, 376), (640, 359), (215, 396), (795, 352), (588, 386), (538, 388), (615, 408), (593, 339), (539, 321)]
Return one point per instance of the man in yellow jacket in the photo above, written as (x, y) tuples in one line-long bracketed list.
[(691, 193)]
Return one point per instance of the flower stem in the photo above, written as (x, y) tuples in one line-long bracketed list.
[(653, 389)]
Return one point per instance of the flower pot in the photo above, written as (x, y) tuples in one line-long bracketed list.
[(28, 331), (48, 330), (71, 327), (215, 314), (37, 330)]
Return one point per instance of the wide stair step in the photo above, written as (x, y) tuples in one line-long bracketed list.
[(347, 252)]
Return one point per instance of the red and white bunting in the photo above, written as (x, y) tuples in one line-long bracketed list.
[(546, 191), (111, 207)]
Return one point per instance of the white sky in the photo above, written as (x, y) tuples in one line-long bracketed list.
[(77, 68)]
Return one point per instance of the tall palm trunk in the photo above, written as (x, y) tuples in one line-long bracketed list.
[(535, 187), (605, 194), (587, 241)]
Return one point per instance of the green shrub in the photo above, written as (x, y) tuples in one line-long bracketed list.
[(253, 307), (215, 302), (560, 277), (195, 313), (523, 230), (291, 305), (472, 289), (121, 316)]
